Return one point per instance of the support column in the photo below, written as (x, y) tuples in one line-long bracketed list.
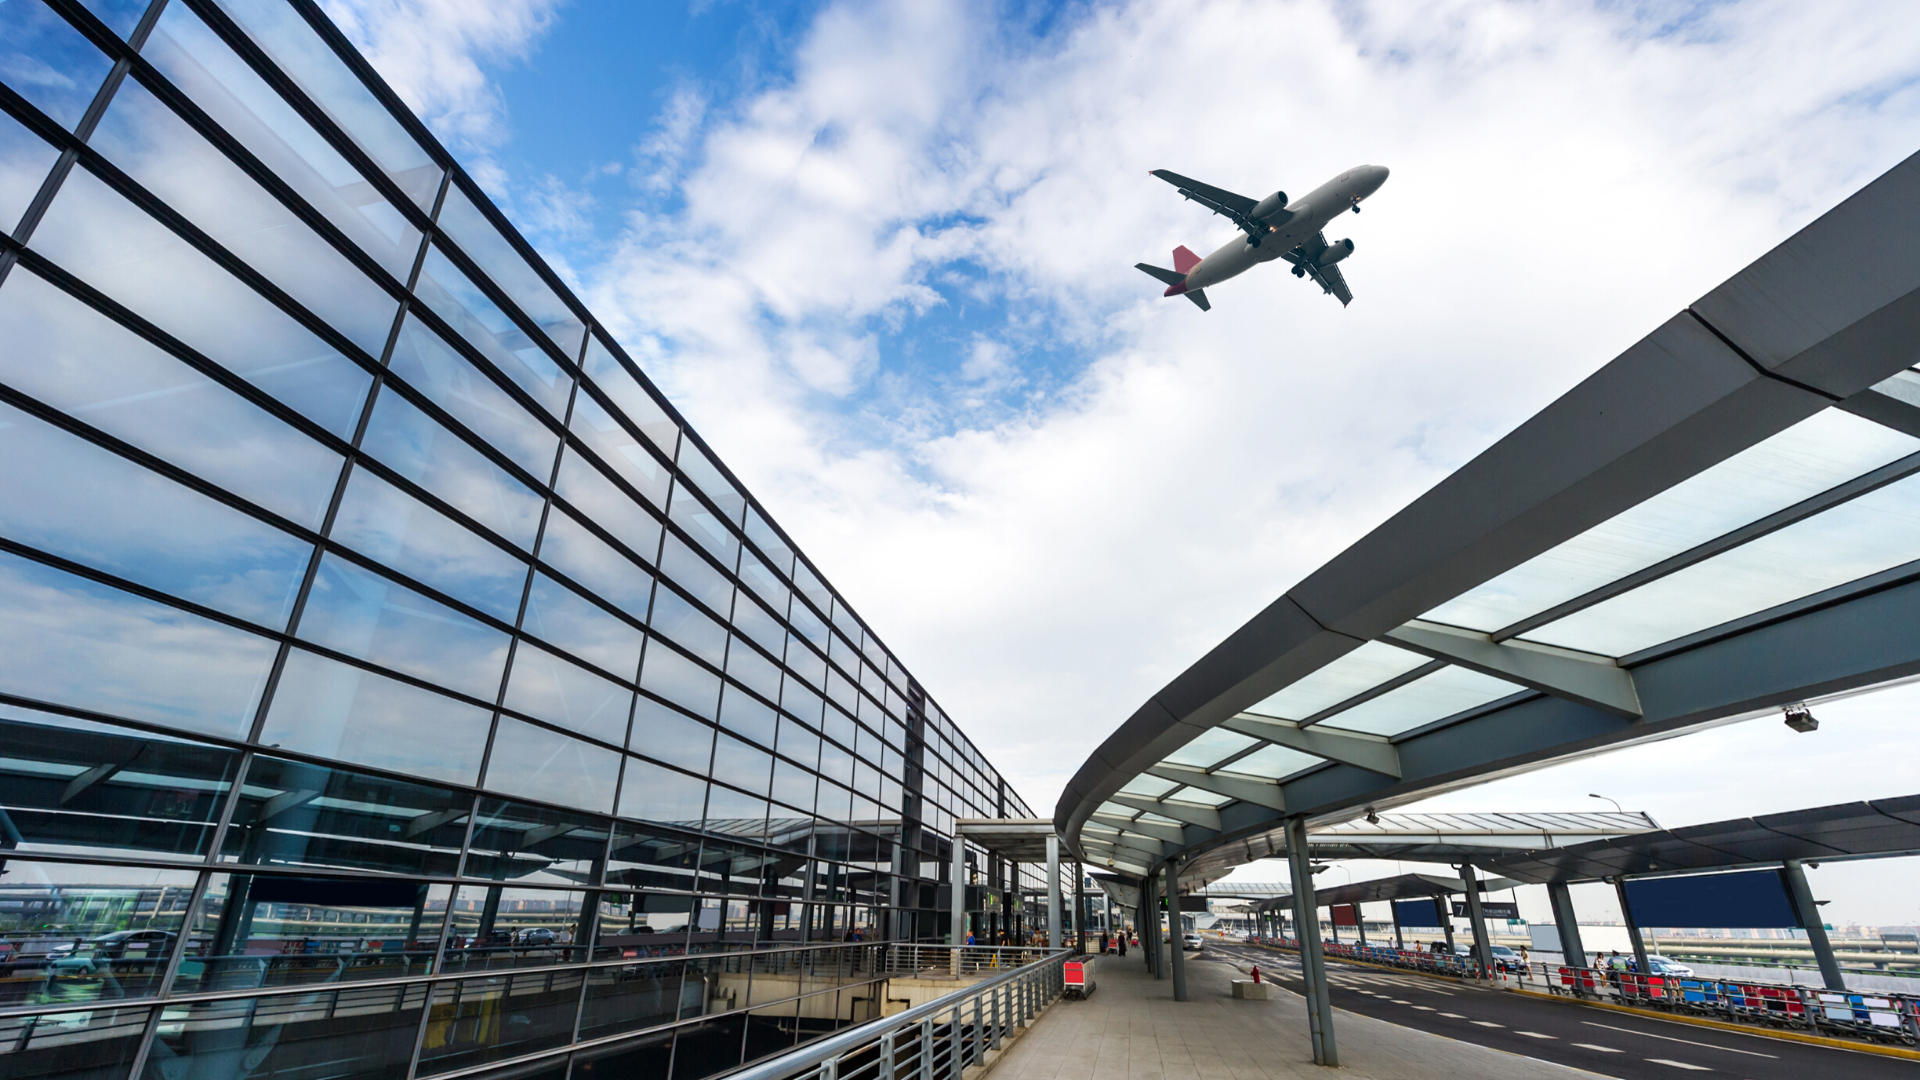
[(1360, 921), (1482, 947), (1568, 923), (1446, 920), (957, 874), (1312, 964), (1054, 937), (1633, 928), (1145, 923), (1399, 938), (1178, 934), (1809, 913), (1080, 908)]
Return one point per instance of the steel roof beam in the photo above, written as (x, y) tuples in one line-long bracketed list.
[(1590, 680), (1368, 752)]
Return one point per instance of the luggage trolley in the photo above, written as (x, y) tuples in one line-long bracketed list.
[(1078, 978)]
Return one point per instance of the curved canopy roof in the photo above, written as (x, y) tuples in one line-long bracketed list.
[(1722, 521)]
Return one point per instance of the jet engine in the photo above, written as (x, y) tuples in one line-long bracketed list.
[(1334, 253), (1270, 205)]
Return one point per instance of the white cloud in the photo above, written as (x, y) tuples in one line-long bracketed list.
[(1565, 177)]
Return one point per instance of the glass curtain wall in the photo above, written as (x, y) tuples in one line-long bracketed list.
[(394, 685)]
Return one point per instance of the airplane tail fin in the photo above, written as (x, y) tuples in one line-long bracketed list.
[(1199, 298), (1171, 277), (1184, 260)]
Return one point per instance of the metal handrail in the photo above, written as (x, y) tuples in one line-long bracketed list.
[(1031, 987)]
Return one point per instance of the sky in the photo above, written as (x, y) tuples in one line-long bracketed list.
[(882, 257)]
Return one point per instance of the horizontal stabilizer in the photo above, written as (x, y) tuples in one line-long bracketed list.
[(1199, 298), (1171, 277)]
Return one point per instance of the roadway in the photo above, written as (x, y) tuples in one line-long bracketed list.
[(1602, 1041)]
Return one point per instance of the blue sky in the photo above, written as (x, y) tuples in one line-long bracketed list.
[(882, 256)]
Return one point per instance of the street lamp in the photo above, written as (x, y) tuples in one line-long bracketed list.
[(1603, 798)]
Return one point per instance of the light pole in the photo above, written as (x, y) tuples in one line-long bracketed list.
[(1603, 798)]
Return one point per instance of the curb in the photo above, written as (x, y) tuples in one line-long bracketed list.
[(1676, 1018)]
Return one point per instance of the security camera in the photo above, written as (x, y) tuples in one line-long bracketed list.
[(1373, 818), (1800, 720)]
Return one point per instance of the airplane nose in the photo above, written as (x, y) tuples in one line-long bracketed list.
[(1379, 175)]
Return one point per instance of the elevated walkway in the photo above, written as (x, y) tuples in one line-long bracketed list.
[(1129, 1030)]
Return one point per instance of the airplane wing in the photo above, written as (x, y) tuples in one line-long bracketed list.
[(1329, 278), (1235, 208)]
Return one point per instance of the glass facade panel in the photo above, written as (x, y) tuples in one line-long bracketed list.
[(1209, 749), (190, 55), (1272, 763), (442, 770), (329, 709), (25, 160), (150, 143), (1366, 667), (68, 356), (48, 62), (532, 762), (132, 258), (69, 497)]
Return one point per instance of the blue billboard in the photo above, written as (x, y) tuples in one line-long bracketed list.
[(1755, 899), (1424, 914)]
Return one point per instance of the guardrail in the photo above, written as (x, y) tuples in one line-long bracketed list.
[(938, 1040)]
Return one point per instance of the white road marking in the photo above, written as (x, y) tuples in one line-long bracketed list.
[(1453, 1016), (1535, 1035), (1397, 1001), (1689, 1042), (1679, 1064), (1488, 1023), (1424, 1008), (1602, 1049)]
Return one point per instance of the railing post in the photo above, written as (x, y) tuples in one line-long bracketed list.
[(979, 1032), (926, 1049), (886, 1056), (830, 1069)]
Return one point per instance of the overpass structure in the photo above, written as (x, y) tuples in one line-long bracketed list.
[(1721, 523)]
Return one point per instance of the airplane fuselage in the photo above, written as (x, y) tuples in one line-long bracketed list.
[(1310, 214)]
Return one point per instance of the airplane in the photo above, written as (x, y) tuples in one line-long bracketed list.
[(1274, 229)]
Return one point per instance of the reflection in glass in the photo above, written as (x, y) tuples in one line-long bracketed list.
[(603, 503), (680, 680), (649, 856), (78, 643), (364, 1032), (741, 764), (304, 816), (75, 787), (1875, 532), (24, 161), (150, 143), (197, 61), (69, 497), (121, 16), (696, 576), (497, 927), (708, 530), (638, 996), (627, 395), (263, 930), (119, 250), (484, 1019), (1423, 701), (562, 617), (329, 709), (427, 363), (619, 449), (532, 762), (706, 476), (1821, 452), (386, 524), (67, 355), (735, 813), (536, 845), (73, 932), (570, 548), (747, 716), (318, 71), (46, 61), (669, 735), (564, 694), (472, 315), (97, 1044), (769, 542), (689, 627), (496, 257), (414, 445), (356, 611)]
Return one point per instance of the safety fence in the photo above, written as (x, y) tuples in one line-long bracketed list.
[(1888, 1018), (934, 1041)]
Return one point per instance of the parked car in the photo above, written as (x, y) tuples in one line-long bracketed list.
[(97, 953), (534, 937), (1192, 942), (1658, 965)]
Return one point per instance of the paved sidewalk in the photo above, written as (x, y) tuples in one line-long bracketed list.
[(1132, 1029)]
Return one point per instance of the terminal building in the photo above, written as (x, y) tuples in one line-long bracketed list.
[(394, 684)]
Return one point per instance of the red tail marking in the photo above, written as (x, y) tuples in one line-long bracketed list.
[(1184, 260)]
